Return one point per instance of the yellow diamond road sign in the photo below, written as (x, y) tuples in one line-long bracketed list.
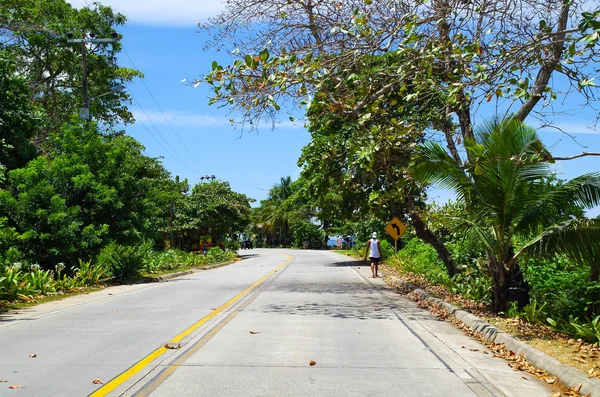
[(395, 228)]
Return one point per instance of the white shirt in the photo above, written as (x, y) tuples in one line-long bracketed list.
[(374, 249)]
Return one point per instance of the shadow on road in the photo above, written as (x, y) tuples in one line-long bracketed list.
[(246, 256), (347, 264)]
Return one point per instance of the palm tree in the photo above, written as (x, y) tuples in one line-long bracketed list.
[(506, 193)]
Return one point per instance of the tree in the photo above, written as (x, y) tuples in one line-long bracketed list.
[(519, 52), (87, 191), (355, 169), (20, 120), (36, 33), (213, 206), (506, 193)]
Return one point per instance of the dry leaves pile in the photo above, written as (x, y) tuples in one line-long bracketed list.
[(515, 361), (168, 346)]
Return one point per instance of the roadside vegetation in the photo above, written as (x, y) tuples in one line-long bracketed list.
[(81, 204)]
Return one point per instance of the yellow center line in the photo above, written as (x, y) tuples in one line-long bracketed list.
[(137, 367)]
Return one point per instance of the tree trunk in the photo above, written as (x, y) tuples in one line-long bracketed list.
[(508, 285), (595, 270), (430, 238)]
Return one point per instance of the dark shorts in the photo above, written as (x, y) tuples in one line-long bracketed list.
[(374, 260)]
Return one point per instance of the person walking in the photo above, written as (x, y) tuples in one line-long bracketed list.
[(374, 251)]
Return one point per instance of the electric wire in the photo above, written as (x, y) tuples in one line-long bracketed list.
[(165, 117), (171, 151)]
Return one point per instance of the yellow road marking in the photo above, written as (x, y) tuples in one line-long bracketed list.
[(162, 376), (137, 367)]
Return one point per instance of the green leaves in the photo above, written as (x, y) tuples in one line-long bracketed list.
[(88, 190)]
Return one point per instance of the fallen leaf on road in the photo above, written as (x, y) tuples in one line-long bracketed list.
[(524, 377), (312, 362), (462, 347), (97, 382), (33, 355), (474, 350), (16, 387), (3, 381), (110, 293), (173, 347), (253, 332)]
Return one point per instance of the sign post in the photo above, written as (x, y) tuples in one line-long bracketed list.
[(395, 229)]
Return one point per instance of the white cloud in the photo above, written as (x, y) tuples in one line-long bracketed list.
[(161, 12), (181, 119)]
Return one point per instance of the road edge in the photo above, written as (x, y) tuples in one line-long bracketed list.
[(566, 374), (170, 276)]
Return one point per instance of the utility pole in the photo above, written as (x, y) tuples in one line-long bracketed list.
[(84, 112)]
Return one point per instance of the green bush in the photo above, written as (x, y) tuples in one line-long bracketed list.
[(232, 245), (122, 261), (420, 258), (40, 281), (13, 285), (387, 249), (563, 286)]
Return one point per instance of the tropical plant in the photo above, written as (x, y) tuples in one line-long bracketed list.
[(42, 282), (506, 194), (122, 261)]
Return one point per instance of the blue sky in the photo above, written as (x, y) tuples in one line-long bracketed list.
[(196, 139)]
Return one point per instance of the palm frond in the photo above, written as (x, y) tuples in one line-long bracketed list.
[(577, 238), (435, 165), (582, 191)]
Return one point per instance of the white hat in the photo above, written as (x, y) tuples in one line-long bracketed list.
[(374, 234)]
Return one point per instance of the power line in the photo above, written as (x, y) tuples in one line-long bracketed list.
[(177, 157), (165, 117)]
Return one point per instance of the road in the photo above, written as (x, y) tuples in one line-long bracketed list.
[(250, 329)]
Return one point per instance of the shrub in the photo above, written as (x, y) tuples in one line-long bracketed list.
[(232, 245), (122, 261), (13, 285), (387, 249), (87, 274), (40, 281), (563, 286)]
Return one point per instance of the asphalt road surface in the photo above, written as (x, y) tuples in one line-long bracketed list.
[(250, 329)]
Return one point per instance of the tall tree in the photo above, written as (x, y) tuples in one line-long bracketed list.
[(36, 32), (520, 52), (20, 119), (214, 206)]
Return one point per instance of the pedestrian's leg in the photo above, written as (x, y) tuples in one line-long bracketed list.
[(373, 269), (376, 269)]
